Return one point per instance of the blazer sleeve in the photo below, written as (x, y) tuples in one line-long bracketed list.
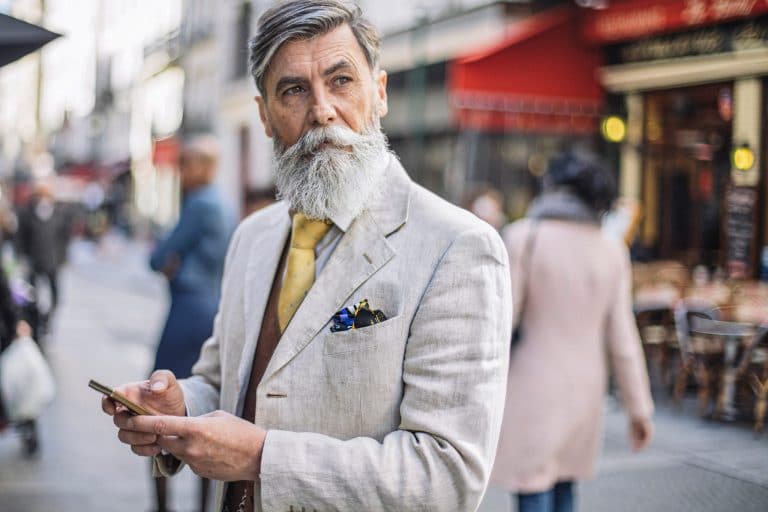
[(625, 348), (454, 373)]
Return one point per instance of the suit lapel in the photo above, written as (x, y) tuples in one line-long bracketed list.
[(266, 249), (361, 252)]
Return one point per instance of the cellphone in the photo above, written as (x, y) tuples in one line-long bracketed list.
[(133, 407)]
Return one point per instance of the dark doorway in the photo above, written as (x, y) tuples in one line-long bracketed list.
[(687, 169)]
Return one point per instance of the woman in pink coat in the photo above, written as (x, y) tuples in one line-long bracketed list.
[(571, 286)]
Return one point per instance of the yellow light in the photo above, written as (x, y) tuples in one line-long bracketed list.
[(743, 158), (614, 129)]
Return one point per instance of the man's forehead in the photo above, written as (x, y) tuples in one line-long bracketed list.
[(323, 51)]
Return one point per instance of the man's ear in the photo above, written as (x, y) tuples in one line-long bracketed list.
[(381, 92), (263, 115)]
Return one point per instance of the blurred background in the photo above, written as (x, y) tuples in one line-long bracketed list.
[(671, 93)]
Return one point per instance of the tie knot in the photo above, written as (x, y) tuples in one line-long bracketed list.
[(306, 233)]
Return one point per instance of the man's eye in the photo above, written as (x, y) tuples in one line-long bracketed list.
[(296, 89), (342, 80)]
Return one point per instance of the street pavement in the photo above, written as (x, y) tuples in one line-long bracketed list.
[(109, 320), (693, 465), (110, 317)]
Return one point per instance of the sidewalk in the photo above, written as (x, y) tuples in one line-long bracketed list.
[(693, 465), (109, 321)]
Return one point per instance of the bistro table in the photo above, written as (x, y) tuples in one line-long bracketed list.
[(734, 335)]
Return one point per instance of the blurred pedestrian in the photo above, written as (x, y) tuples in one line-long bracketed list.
[(573, 312), (42, 239), (192, 259), (11, 327)]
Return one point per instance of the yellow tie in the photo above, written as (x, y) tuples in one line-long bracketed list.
[(300, 266)]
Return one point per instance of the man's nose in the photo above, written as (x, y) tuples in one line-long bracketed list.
[(323, 112)]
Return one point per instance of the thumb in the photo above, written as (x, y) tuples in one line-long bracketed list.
[(161, 380)]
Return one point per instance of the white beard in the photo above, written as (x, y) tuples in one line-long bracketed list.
[(320, 182)]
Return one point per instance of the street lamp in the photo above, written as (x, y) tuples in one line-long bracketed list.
[(614, 129), (743, 158)]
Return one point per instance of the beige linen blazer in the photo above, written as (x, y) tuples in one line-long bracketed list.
[(401, 415)]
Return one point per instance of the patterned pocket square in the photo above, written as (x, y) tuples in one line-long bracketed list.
[(356, 317)]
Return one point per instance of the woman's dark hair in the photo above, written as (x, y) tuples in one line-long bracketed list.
[(586, 176)]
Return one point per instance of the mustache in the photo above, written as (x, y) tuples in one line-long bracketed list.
[(315, 139)]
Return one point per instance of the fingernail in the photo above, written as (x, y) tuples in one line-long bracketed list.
[(158, 385)]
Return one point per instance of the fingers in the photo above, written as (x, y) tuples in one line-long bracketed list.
[(132, 391), (108, 406), (174, 445), (136, 438), (158, 425), (161, 380), (121, 418), (148, 435), (147, 450)]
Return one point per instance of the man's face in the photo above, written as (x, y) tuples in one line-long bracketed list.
[(324, 81)]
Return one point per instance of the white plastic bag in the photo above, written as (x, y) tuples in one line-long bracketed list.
[(26, 380)]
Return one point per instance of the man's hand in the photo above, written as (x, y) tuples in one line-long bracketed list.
[(23, 329), (640, 433), (218, 445), (161, 394)]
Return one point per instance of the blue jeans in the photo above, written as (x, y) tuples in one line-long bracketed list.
[(558, 499)]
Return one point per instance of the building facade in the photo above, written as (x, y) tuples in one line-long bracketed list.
[(690, 77)]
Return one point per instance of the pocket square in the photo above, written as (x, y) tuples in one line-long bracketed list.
[(356, 317)]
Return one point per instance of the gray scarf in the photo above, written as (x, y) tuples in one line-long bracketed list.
[(563, 205)]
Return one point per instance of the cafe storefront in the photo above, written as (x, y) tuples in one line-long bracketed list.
[(689, 78)]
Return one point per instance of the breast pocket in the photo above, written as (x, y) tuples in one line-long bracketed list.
[(354, 340)]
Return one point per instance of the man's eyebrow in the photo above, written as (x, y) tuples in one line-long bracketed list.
[(289, 80), (342, 64)]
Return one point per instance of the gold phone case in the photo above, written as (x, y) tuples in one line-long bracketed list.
[(117, 397)]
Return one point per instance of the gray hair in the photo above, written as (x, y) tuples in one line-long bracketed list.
[(293, 20)]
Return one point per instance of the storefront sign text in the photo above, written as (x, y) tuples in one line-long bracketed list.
[(706, 41), (641, 18)]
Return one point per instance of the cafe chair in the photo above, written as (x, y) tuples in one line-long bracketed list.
[(754, 368), (656, 326), (700, 357)]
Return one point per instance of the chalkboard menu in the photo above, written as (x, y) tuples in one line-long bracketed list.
[(740, 230)]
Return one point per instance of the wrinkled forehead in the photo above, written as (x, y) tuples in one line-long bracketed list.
[(323, 52)]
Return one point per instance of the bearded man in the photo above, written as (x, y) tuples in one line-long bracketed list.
[(358, 360)]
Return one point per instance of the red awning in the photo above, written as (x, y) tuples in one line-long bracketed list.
[(540, 78), (627, 20)]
